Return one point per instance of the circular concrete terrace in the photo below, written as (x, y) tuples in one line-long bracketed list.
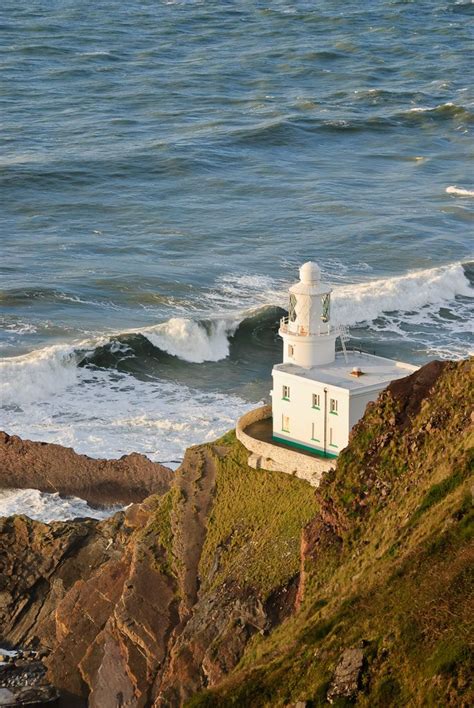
[(254, 430), (263, 430)]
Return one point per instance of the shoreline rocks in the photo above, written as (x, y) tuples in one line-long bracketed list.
[(23, 680), (25, 464)]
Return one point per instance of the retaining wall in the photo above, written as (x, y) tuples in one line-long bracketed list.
[(267, 456)]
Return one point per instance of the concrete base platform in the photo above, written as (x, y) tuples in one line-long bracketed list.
[(254, 432)]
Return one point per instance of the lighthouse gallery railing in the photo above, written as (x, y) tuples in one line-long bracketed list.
[(288, 327)]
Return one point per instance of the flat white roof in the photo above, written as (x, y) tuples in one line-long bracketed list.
[(377, 371)]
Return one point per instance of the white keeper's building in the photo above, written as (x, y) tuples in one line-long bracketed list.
[(318, 394)]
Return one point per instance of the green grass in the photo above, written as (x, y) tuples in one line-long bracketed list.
[(447, 656), (254, 529), (402, 580), (157, 536)]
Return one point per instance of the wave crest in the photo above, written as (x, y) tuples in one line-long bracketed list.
[(192, 341), (37, 375), (365, 302), (148, 352), (459, 191)]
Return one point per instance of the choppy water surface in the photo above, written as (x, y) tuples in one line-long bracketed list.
[(165, 167)]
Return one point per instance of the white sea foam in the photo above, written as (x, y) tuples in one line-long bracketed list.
[(192, 341), (430, 109), (365, 302), (460, 192), (81, 301), (48, 507), (104, 413), (37, 375), (20, 327), (235, 293), (7, 652)]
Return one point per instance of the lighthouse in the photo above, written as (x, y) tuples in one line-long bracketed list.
[(308, 338), (319, 393)]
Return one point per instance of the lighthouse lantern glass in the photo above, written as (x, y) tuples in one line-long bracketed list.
[(326, 304), (292, 308)]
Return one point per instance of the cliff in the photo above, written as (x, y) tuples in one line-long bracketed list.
[(154, 604), (244, 587), (386, 589), (52, 468)]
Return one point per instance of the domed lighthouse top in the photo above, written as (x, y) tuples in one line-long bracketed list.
[(309, 339), (310, 273)]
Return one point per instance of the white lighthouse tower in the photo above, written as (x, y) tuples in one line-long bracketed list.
[(319, 394), (308, 338)]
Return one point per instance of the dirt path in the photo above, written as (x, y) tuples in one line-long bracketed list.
[(196, 484)]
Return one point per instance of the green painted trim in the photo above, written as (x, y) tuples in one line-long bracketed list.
[(333, 413), (285, 399), (283, 430), (314, 450), (332, 445), (316, 408), (316, 439)]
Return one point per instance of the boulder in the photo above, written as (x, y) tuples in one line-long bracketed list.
[(346, 680)]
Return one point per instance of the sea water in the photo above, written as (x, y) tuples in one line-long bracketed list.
[(165, 168)]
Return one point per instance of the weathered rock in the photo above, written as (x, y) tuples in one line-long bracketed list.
[(28, 696), (323, 532), (24, 682), (346, 681), (123, 626), (53, 468)]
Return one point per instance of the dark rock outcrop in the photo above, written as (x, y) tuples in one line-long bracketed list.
[(52, 468), (346, 681), (23, 682)]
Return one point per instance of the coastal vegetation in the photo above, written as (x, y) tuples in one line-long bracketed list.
[(255, 524), (245, 587), (387, 565)]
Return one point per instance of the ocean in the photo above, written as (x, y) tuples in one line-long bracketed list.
[(165, 167)]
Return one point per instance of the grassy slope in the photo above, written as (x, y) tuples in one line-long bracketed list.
[(402, 579), (254, 528), (255, 523)]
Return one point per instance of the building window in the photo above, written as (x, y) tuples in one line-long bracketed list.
[(316, 401), (333, 406), (313, 433), (285, 394), (331, 438), (285, 423), (291, 350)]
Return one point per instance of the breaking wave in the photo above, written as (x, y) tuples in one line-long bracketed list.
[(460, 192), (406, 293), (46, 507), (192, 341), (37, 375), (182, 382), (177, 343)]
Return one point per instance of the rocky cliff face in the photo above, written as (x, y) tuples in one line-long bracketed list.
[(52, 468), (244, 587), (160, 601), (386, 583)]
